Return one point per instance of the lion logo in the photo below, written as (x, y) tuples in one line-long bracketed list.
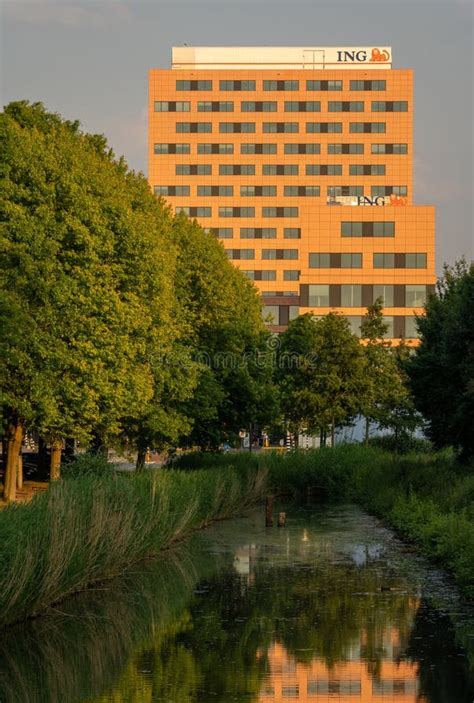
[(378, 55), (397, 200)]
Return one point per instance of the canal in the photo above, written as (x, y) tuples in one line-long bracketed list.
[(332, 607)]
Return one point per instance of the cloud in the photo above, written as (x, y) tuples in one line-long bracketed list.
[(88, 13)]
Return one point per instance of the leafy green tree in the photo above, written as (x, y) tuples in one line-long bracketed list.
[(441, 370), (323, 373), (86, 277), (387, 401), (224, 328)]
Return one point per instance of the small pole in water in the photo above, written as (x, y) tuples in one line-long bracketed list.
[(269, 512), (281, 519)]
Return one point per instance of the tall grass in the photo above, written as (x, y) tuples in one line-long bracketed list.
[(96, 522), (91, 527)]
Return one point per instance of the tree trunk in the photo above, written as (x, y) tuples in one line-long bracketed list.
[(14, 440), (98, 446), (141, 456), (55, 466), (367, 429), (322, 438), (333, 431), (19, 475)]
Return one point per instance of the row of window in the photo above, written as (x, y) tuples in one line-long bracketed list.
[(256, 232), (288, 275), (359, 295), (280, 169), (310, 148), (239, 211), (379, 260), (289, 106), (289, 191), (272, 85), (267, 254), (281, 127)]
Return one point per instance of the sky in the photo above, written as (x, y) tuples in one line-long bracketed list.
[(89, 60)]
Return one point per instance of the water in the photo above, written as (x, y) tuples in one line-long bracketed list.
[(331, 608)]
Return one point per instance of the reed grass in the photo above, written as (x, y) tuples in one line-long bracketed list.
[(97, 522)]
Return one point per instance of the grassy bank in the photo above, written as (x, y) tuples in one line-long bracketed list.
[(95, 522), (93, 525), (428, 497)]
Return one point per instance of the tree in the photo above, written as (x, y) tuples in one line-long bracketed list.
[(86, 277), (323, 373), (387, 401), (441, 370), (224, 329)]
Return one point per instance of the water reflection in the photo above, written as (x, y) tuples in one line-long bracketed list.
[(328, 609)]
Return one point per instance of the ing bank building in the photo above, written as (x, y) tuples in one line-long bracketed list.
[(300, 160)]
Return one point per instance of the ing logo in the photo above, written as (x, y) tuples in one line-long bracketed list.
[(378, 55)]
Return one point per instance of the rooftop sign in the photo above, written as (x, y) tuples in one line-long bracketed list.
[(284, 57)]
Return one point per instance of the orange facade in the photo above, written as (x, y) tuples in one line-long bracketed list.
[(277, 162)]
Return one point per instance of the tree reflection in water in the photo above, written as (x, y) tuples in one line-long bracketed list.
[(265, 624)]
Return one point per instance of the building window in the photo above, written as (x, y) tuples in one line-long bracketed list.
[(184, 127), (258, 148), (367, 229), (355, 322), (384, 261), (257, 191), (279, 212), (366, 170), (302, 106), (345, 148), (236, 212), (258, 106), (237, 85), (291, 275), (411, 327), (215, 148), (415, 261), (171, 190), (388, 190), (352, 191), (323, 169), (271, 314), (389, 106), (193, 169), (215, 190), (323, 127), (236, 127), (351, 261), (172, 148), (302, 148), (318, 296), (240, 253), (319, 261), (171, 106), (389, 148), (215, 106), (286, 127), (237, 170), (258, 233), (281, 85), (351, 296), (223, 232), (388, 321), (279, 253), (386, 293), (323, 85), (301, 191), (367, 127), (292, 233), (345, 106), (368, 85), (195, 211), (415, 296), (280, 170), (193, 85)]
